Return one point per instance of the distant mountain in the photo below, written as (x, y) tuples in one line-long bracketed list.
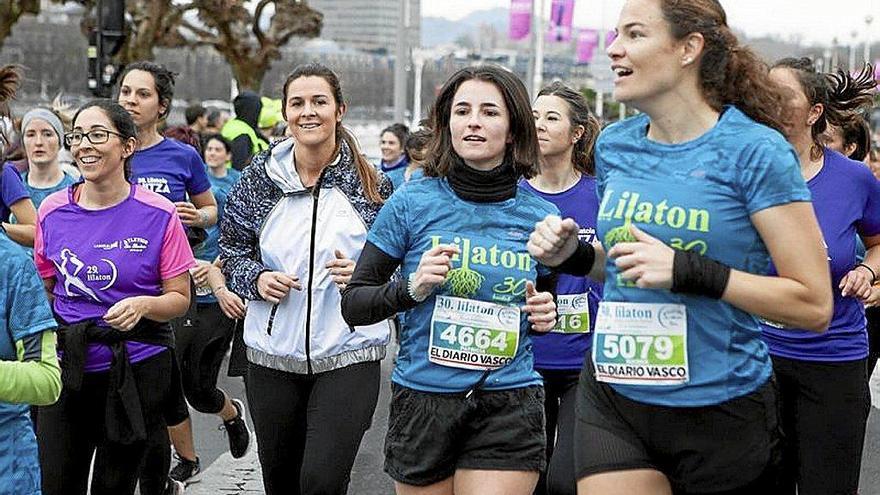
[(439, 31)]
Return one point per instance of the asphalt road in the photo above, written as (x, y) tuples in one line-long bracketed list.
[(368, 478)]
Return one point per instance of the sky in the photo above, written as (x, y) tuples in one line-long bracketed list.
[(810, 21)]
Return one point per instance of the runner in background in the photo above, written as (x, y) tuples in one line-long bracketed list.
[(29, 371), (467, 407), (114, 286), (823, 381), (698, 193), (14, 198), (42, 133), (567, 131), (394, 162)]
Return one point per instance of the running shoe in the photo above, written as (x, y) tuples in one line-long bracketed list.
[(237, 432), (174, 487), (185, 469)]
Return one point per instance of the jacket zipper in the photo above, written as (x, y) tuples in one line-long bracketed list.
[(315, 194), (271, 319)]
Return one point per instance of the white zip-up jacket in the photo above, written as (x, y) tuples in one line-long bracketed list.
[(273, 223)]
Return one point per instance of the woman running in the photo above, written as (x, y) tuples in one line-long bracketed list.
[(395, 161), (114, 260), (42, 132), (14, 198), (696, 192), (823, 381), (29, 372), (467, 407), (312, 380), (567, 131)]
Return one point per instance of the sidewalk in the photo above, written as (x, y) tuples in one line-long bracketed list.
[(228, 476)]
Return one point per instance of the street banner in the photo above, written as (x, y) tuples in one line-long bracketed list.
[(587, 42), (520, 19), (561, 15)]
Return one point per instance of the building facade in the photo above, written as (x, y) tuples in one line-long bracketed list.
[(370, 25)]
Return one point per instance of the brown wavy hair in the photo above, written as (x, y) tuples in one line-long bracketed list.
[(841, 94), (730, 73), (366, 172), (523, 152), (579, 114)]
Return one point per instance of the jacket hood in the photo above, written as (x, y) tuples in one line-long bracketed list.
[(247, 107), (281, 170)]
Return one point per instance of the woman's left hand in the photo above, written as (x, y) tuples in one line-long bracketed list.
[(647, 262), (341, 269), (540, 308), (188, 213), (125, 314), (856, 283)]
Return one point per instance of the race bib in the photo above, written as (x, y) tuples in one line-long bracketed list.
[(474, 335), (641, 344), (204, 290), (573, 314)]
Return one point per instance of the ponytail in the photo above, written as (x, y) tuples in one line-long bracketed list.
[(366, 172)]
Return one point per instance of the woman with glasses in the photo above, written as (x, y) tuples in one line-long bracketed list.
[(114, 261)]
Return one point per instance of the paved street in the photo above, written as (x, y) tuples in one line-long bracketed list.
[(224, 475)]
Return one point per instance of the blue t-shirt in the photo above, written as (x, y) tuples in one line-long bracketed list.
[(395, 171), (170, 168), (25, 311), (566, 347), (12, 190), (699, 196), (846, 199), (210, 249), (38, 194), (493, 267)]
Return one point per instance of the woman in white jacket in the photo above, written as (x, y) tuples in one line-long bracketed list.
[(297, 220)]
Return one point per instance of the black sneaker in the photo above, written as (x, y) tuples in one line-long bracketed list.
[(174, 487), (237, 431), (185, 469)]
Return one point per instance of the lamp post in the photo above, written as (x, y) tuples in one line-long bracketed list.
[(868, 38)]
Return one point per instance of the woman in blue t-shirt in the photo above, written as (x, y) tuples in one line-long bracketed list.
[(567, 131), (698, 192), (823, 380), (467, 407)]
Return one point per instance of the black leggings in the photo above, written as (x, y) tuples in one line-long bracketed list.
[(309, 427), (72, 429), (200, 351), (873, 317), (824, 408), (560, 387)]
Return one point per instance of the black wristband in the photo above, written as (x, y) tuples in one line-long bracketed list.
[(696, 274), (580, 262), (866, 267)]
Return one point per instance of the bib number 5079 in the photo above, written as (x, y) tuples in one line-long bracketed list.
[(480, 338), (638, 347)]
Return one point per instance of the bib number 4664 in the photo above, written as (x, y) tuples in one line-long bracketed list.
[(638, 347), (480, 338)]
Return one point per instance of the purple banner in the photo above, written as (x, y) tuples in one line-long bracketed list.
[(610, 36), (561, 15), (587, 42), (520, 19)]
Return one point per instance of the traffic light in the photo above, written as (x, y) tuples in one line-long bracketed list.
[(105, 41)]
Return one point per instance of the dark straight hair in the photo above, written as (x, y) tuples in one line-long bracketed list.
[(841, 94), (523, 149), (120, 119), (163, 80), (368, 174), (579, 114)]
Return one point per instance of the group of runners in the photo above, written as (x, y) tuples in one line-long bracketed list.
[(674, 304)]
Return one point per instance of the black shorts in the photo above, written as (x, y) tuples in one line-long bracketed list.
[(430, 435), (733, 447)]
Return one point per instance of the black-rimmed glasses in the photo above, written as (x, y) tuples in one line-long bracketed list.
[(95, 136)]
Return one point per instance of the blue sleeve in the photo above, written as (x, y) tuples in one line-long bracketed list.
[(13, 189), (390, 231), (869, 225), (770, 175), (26, 302), (600, 169), (198, 181)]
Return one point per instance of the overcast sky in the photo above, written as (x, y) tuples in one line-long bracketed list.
[(812, 20)]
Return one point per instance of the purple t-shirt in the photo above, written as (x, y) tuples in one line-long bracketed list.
[(12, 190), (170, 168), (846, 198), (566, 346), (99, 257)]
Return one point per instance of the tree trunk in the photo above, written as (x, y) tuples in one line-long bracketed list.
[(11, 11), (248, 72)]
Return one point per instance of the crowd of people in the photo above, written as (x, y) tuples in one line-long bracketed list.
[(682, 302)]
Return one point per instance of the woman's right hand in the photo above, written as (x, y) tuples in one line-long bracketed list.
[(554, 240), (274, 286), (432, 270)]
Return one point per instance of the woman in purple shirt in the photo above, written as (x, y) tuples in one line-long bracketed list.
[(114, 260), (823, 381)]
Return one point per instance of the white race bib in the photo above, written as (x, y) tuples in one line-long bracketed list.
[(641, 344), (573, 313), (474, 335)]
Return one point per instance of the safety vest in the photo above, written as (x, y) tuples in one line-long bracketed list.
[(235, 127)]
